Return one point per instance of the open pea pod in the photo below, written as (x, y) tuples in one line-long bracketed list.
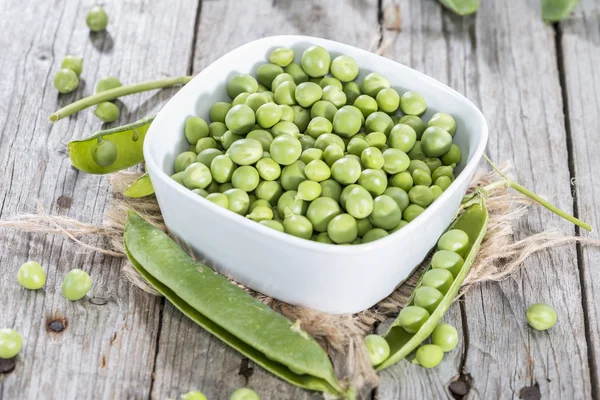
[(142, 187), (228, 312), (110, 150), (461, 7), (474, 223), (557, 10)]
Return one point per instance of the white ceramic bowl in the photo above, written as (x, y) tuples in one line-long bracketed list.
[(334, 279)]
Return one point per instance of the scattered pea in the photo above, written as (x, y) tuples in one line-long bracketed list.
[(96, 19), (31, 275), (10, 343), (541, 316), (76, 285)]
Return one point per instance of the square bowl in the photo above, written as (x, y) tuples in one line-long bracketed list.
[(330, 278)]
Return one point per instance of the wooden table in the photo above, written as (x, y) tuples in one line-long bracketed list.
[(538, 86)]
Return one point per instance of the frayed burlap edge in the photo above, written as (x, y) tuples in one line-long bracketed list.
[(341, 335)]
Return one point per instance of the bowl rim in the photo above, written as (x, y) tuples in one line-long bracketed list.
[(408, 230)]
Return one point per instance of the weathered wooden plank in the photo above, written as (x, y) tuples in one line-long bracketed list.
[(504, 60), (580, 44), (105, 351), (204, 363)]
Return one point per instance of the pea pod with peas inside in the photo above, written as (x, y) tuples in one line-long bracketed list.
[(473, 222), (227, 311), (110, 150)]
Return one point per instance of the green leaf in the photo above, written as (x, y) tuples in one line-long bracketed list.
[(142, 187), (557, 10)]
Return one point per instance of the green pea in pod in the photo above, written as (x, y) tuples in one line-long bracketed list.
[(125, 148), (228, 312)]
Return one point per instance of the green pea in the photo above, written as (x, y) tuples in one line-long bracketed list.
[(454, 240), (445, 336), (373, 83), (359, 203), (213, 187), (411, 318), (386, 213), (292, 175), (373, 235), (328, 80), (418, 164), (240, 99), (347, 121), (374, 181), (76, 285), (400, 196), (346, 171), (281, 56), (541, 316), (342, 229), (268, 115), (240, 119), (323, 108), (184, 160), (318, 126), (285, 149), (280, 79), (444, 170), (290, 200), (435, 142), (388, 100), (96, 19), (309, 190), (66, 81), (270, 191), (104, 152), (372, 157), (301, 118), (219, 199), (453, 156), (321, 211), (402, 137), (261, 213), (323, 237), (307, 142), (308, 93), (326, 139), (261, 136), (377, 348), (421, 195), (395, 161), (194, 395), (269, 95), (195, 129), (216, 130), (73, 63), (401, 225), (272, 224), (297, 225), (432, 163), (428, 298), (379, 122), (448, 260), (352, 91), (207, 143), (284, 127), (268, 169), (222, 168), (439, 279), (11, 343), (331, 189), (108, 83), (207, 155), (412, 103), (317, 170), (245, 393), (197, 176), (31, 275), (376, 139), (245, 178), (421, 177), (296, 72), (444, 121), (437, 191), (286, 93), (403, 180), (363, 225), (267, 72), (200, 192), (239, 201), (334, 95), (316, 61), (241, 83), (245, 151), (332, 153), (255, 100), (344, 68), (366, 104), (411, 212), (218, 111), (414, 122), (356, 146), (428, 356), (345, 192), (178, 177), (311, 154)]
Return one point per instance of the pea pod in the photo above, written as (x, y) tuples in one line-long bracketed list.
[(461, 7), (110, 150), (557, 10), (228, 312), (474, 223), (142, 187)]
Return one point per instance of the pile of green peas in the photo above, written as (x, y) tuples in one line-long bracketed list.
[(306, 149), (66, 79)]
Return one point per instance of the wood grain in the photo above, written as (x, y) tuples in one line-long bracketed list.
[(580, 49), (103, 351), (204, 363)]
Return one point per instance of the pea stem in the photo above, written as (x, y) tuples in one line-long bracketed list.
[(539, 199), (115, 93)]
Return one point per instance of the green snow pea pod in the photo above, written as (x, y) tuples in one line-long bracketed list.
[(474, 223), (461, 7), (127, 144), (250, 327), (141, 187)]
